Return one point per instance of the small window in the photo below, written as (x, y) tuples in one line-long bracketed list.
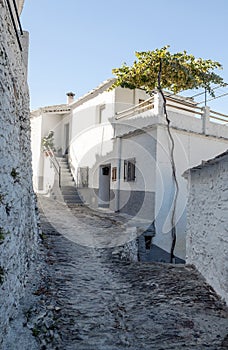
[(105, 170), (148, 241), (101, 114), (129, 170), (114, 174)]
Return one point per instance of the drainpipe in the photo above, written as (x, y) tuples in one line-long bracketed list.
[(117, 201)]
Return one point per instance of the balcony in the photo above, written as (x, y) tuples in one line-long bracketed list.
[(183, 113)]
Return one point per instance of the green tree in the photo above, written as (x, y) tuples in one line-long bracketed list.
[(158, 70)]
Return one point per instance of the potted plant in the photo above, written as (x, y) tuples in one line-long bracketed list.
[(48, 144)]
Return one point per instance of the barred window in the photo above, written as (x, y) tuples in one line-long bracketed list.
[(129, 169)]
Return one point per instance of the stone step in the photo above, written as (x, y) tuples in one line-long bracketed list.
[(73, 201), (65, 171), (63, 162), (71, 193), (68, 188), (68, 183), (67, 177), (65, 167)]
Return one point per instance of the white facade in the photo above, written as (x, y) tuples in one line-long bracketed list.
[(120, 155), (207, 235), (44, 120)]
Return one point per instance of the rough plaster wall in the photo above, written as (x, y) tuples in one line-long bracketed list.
[(18, 230), (207, 233)]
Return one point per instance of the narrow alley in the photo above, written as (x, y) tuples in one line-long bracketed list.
[(91, 300)]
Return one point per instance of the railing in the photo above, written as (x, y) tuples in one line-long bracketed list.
[(218, 116), (183, 106), (172, 103), (13, 21), (54, 162), (137, 109)]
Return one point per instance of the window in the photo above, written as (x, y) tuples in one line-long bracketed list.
[(105, 170), (129, 170), (148, 241), (101, 114), (114, 174)]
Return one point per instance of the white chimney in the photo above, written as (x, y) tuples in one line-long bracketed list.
[(70, 97)]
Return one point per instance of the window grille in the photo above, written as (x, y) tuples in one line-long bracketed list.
[(114, 173), (129, 169)]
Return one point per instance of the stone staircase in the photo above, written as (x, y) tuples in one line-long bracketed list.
[(68, 186)]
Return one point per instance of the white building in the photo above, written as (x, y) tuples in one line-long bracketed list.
[(120, 154)]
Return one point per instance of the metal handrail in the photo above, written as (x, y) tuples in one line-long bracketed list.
[(54, 161), (13, 21)]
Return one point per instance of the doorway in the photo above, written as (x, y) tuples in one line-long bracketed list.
[(66, 137), (104, 186)]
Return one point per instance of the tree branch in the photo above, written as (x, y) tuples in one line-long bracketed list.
[(172, 164)]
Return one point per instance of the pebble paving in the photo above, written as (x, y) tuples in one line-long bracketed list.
[(98, 302)]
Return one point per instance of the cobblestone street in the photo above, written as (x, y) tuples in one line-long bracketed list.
[(91, 300)]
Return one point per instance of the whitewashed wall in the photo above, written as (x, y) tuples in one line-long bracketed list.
[(86, 115), (190, 150), (41, 124), (91, 148), (126, 98), (18, 229), (37, 161), (207, 234)]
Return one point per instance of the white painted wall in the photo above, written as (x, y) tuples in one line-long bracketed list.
[(126, 98), (41, 124), (207, 235), (190, 150), (142, 147), (36, 126), (48, 175), (91, 148), (86, 115)]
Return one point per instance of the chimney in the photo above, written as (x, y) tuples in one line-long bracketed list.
[(70, 97)]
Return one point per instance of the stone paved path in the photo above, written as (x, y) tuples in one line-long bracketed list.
[(101, 303)]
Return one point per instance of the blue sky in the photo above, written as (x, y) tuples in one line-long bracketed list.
[(74, 44)]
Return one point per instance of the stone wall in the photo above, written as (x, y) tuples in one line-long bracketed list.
[(18, 228), (207, 233)]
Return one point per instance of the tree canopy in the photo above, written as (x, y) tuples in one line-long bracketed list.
[(164, 70)]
